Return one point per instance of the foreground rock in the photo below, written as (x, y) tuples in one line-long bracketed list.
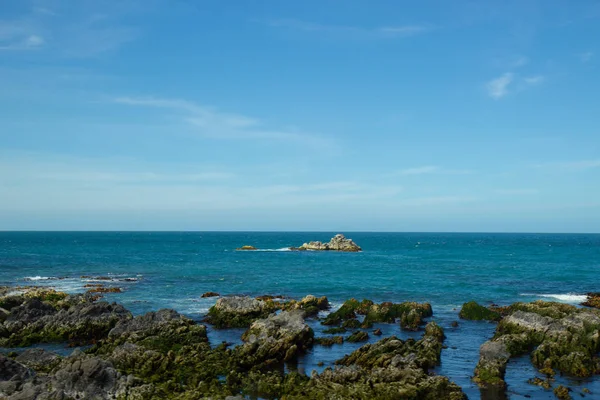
[(389, 369), (558, 336), (337, 243), (279, 337), (42, 315), (239, 311)]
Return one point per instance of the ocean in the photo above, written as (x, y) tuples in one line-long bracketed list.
[(173, 269)]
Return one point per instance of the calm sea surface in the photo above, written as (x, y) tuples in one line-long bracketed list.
[(160, 269)]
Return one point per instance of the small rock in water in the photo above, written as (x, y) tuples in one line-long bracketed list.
[(243, 248), (210, 294), (454, 324), (377, 332)]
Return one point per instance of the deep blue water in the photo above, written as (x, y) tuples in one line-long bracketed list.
[(159, 269)]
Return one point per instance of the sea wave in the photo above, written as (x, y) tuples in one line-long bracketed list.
[(564, 297), (39, 278), (273, 250)]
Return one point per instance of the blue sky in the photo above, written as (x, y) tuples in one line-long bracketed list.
[(315, 115)]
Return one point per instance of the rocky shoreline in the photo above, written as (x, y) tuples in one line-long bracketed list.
[(165, 355)]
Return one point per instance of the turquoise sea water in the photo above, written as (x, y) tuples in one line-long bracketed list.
[(159, 269)]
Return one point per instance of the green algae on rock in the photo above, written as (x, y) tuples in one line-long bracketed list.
[(558, 336), (239, 311), (386, 312), (358, 336), (476, 312)]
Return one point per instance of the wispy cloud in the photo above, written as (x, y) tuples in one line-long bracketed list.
[(396, 31), (570, 166), (210, 122), (586, 57), (428, 169), (519, 61), (534, 80), (19, 35), (81, 29), (516, 192), (431, 169), (497, 88)]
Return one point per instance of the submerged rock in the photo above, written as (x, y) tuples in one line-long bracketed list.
[(239, 311), (210, 294), (337, 243), (558, 337)]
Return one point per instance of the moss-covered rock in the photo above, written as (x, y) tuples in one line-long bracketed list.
[(562, 392), (329, 340), (358, 336), (558, 337), (476, 312), (335, 330), (239, 312), (386, 312)]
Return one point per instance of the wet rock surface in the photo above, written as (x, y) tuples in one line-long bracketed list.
[(558, 337), (239, 311)]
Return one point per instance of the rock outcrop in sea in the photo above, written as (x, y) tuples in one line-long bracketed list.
[(337, 243)]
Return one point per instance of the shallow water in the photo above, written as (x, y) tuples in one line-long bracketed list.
[(157, 270)]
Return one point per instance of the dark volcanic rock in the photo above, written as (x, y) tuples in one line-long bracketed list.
[(39, 359)]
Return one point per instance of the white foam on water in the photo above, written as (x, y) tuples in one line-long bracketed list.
[(564, 297), (38, 278), (273, 250)]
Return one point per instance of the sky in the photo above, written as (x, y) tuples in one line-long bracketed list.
[(446, 116)]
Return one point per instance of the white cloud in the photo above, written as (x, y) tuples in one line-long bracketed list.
[(210, 122), (534, 80), (498, 87), (355, 31)]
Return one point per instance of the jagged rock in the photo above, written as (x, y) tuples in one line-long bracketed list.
[(59, 318), (358, 336), (337, 243), (330, 340), (39, 359), (377, 332), (561, 392), (310, 304), (388, 369), (593, 300), (476, 312), (11, 369), (558, 336), (163, 329), (278, 337), (385, 312), (238, 311)]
